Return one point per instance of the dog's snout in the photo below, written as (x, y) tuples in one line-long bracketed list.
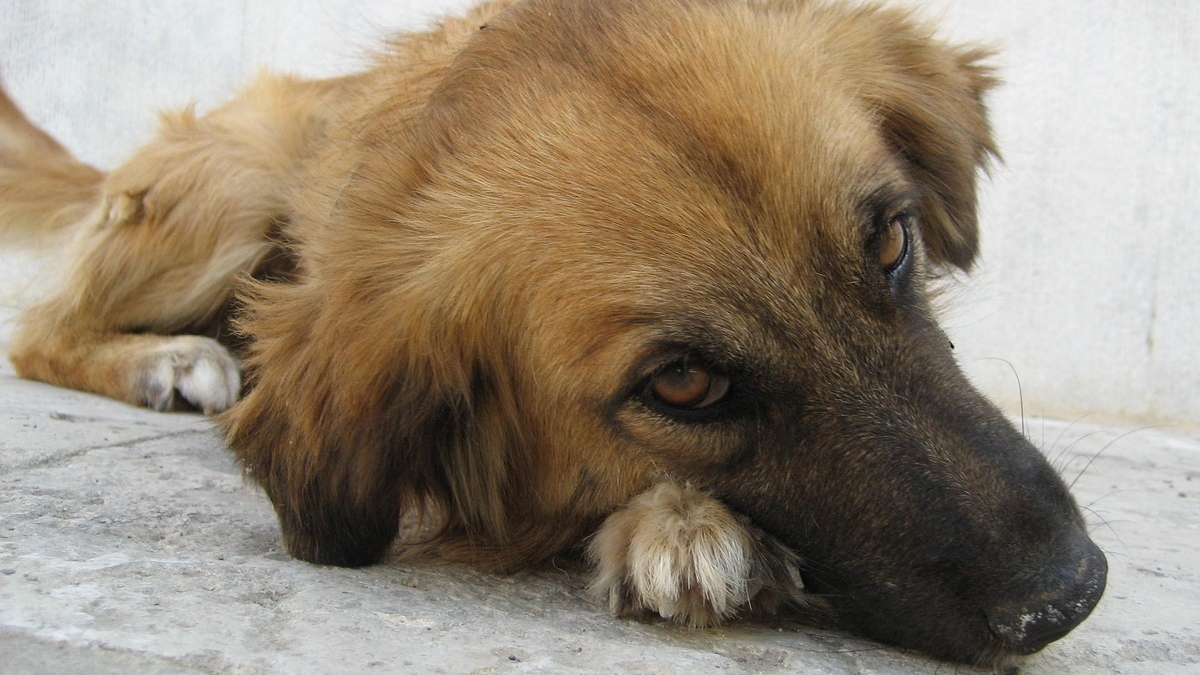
[(1073, 588)]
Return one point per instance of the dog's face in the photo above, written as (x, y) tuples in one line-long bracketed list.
[(646, 240)]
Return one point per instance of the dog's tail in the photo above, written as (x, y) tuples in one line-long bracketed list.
[(43, 188)]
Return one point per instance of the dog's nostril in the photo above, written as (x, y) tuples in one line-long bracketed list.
[(1034, 622)]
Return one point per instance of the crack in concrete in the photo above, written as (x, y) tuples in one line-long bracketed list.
[(62, 458)]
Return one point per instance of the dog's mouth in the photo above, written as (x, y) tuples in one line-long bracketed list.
[(948, 614)]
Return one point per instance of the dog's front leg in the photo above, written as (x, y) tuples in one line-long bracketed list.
[(157, 371), (678, 552)]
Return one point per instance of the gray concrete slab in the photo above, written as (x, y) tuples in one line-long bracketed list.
[(130, 542)]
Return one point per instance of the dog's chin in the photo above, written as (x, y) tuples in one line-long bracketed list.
[(969, 642), (986, 613), (999, 658), (958, 635)]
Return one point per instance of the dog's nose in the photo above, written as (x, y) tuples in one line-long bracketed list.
[(1065, 597)]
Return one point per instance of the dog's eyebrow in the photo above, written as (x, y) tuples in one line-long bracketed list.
[(885, 200)]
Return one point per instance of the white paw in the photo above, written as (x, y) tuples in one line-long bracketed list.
[(680, 553), (198, 369)]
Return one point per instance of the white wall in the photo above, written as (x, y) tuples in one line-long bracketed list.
[(1089, 284)]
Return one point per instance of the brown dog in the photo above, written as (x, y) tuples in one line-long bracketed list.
[(653, 271)]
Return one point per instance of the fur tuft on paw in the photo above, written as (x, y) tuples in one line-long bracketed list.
[(678, 552)]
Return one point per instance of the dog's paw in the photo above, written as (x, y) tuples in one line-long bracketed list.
[(198, 369), (677, 552)]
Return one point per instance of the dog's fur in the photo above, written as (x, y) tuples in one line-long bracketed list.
[(466, 284)]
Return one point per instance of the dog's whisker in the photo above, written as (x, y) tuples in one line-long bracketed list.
[(1104, 449), (1020, 390), (1104, 523), (1020, 396), (1104, 496), (1061, 465), (1062, 433)]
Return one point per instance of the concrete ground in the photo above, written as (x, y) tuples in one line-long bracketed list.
[(131, 543)]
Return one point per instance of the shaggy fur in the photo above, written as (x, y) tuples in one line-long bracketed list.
[(647, 272)]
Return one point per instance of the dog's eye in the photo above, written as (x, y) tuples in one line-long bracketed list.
[(893, 243), (688, 386)]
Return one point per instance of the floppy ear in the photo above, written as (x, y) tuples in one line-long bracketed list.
[(359, 411), (929, 97)]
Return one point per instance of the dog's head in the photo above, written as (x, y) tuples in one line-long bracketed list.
[(630, 240)]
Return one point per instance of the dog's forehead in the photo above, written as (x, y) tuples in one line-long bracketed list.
[(656, 168), (706, 129)]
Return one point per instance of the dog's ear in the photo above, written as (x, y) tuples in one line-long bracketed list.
[(349, 430), (929, 98)]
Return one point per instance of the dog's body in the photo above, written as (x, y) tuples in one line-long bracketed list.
[(650, 270)]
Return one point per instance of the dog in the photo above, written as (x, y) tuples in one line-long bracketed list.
[(645, 281)]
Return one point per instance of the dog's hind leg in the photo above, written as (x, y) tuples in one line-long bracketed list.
[(165, 241)]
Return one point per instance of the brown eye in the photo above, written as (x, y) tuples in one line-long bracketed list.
[(688, 386), (893, 244)]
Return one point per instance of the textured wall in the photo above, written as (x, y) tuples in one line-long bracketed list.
[(1088, 287)]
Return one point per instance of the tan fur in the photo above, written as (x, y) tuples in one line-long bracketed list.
[(440, 273), (42, 188), (192, 215)]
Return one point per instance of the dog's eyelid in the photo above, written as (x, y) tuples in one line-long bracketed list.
[(661, 389), (694, 345), (905, 210)]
